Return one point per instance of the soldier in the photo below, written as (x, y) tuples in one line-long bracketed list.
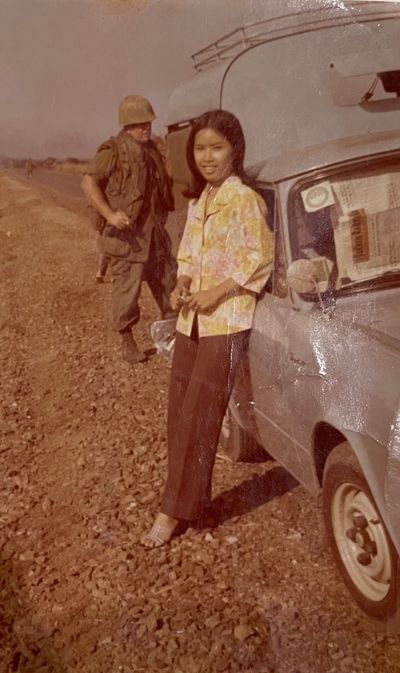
[(130, 191), (29, 168)]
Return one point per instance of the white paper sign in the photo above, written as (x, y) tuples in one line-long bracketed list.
[(375, 193)]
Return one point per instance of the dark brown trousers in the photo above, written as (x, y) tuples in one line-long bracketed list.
[(202, 377)]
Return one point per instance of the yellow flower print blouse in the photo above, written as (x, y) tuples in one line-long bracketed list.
[(233, 241)]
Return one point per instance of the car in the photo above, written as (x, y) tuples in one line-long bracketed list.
[(318, 95), (320, 389)]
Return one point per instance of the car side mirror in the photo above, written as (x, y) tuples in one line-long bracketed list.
[(311, 277), (302, 276)]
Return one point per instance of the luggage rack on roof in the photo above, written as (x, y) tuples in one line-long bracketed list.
[(237, 41)]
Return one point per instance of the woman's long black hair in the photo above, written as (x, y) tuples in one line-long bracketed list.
[(229, 127)]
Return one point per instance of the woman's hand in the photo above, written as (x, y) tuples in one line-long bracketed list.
[(203, 300), (179, 295), (207, 299)]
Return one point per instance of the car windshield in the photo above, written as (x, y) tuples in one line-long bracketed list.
[(349, 224)]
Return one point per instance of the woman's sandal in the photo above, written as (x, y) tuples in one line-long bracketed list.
[(159, 535)]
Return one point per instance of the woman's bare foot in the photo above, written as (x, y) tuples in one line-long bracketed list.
[(161, 532)]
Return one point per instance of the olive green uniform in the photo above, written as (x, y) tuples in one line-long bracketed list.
[(133, 179)]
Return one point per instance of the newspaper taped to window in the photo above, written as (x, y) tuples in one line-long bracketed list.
[(367, 239), (367, 245)]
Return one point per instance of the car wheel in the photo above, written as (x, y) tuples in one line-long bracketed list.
[(361, 544), (237, 444)]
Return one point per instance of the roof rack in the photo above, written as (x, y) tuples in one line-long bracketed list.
[(249, 35)]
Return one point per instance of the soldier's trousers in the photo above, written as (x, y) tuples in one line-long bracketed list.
[(202, 376), (128, 277), (102, 264)]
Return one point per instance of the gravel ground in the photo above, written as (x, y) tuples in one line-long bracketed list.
[(83, 458)]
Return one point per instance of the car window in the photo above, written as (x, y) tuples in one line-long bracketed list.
[(348, 222)]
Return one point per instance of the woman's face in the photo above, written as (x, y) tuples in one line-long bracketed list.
[(213, 155)]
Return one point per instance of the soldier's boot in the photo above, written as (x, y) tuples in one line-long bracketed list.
[(130, 350)]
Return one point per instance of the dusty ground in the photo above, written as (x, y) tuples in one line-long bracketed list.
[(82, 460)]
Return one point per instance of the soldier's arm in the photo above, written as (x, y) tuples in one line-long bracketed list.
[(93, 181), (97, 199)]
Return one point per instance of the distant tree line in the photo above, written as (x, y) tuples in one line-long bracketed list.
[(49, 162)]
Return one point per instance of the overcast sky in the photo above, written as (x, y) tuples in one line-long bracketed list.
[(65, 64)]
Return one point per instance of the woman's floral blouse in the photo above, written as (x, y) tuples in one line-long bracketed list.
[(231, 241)]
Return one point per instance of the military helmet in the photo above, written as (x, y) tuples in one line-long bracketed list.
[(135, 110)]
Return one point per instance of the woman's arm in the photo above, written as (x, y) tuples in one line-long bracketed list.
[(250, 243), (206, 299), (185, 264)]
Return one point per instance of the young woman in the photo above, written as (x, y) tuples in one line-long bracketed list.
[(224, 260)]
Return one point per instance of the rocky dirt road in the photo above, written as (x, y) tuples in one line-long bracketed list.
[(82, 462), (67, 184)]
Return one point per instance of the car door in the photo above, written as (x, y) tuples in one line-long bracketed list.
[(279, 358), (272, 362)]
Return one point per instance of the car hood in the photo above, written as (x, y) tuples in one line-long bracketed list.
[(378, 315), (390, 326)]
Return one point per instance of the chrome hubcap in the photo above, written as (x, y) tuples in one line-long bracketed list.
[(362, 542)]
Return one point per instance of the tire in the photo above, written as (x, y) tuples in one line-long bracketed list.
[(238, 445), (362, 547)]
